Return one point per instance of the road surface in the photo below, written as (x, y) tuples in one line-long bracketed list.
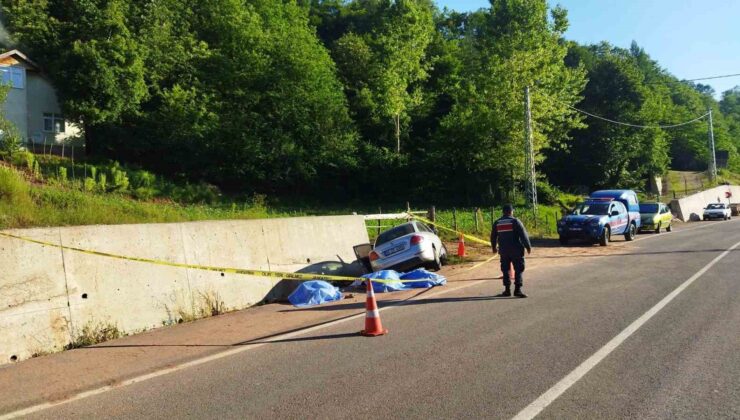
[(653, 332)]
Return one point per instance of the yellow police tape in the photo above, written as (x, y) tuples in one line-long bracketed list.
[(249, 272), (469, 237), (259, 273)]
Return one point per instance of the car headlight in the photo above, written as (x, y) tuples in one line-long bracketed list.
[(595, 222)]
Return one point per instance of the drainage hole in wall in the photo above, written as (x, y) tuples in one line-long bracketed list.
[(84, 295), (308, 260), (14, 358), (222, 274)]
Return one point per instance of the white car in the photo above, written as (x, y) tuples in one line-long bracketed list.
[(717, 211), (408, 246)]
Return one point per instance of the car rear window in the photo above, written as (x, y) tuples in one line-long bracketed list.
[(394, 233), (648, 208)]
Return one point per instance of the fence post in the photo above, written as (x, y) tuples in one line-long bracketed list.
[(454, 219), (380, 211), (432, 214), (475, 215)]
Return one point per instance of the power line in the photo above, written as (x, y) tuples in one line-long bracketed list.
[(634, 125), (711, 77), (661, 126)]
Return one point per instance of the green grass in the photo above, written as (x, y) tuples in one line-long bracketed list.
[(682, 183), (27, 204)]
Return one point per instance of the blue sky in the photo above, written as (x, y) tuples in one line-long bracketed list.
[(689, 38)]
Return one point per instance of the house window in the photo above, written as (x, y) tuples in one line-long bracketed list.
[(13, 76), (53, 123)]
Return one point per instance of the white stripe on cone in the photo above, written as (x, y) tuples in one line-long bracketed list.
[(373, 314)]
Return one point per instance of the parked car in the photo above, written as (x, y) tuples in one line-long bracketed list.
[(629, 199), (596, 220), (408, 246), (717, 211), (655, 216)]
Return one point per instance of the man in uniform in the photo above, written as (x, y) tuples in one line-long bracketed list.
[(509, 238)]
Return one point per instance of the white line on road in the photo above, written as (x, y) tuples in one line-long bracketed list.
[(211, 358), (559, 388)]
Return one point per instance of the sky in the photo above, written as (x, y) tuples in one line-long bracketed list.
[(689, 38)]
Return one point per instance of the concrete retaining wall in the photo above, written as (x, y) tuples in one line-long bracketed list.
[(691, 207), (48, 295)]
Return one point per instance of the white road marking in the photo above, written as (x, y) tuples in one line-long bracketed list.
[(211, 358), (574, 376)]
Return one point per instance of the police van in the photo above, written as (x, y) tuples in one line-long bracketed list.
[(603, 214)]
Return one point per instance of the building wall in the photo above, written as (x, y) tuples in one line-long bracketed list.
[(42, 99)]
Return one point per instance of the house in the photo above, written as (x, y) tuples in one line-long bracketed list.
[(31, 103)]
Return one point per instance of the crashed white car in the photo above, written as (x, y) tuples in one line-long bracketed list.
[(717, 211), (408, 246)]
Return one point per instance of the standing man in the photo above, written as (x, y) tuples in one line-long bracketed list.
[(509, 238)]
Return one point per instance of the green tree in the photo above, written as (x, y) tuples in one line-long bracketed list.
[(502, 50)]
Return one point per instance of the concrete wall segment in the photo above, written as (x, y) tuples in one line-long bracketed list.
[(39, 282)]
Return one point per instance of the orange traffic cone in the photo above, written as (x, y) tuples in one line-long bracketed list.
[(461, 246), (373, 326)]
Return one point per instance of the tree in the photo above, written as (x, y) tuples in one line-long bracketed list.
[(89, 51), (502, 50)]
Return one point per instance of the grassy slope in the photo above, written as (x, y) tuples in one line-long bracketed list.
[(27, 204), (687, 182)]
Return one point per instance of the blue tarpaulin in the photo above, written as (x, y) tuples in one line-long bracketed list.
[(314, 292), (426, 280), (388, 275)]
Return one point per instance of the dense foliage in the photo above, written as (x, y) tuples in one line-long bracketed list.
[(363, 99)]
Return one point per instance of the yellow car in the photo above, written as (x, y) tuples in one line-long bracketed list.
[(655, 216)]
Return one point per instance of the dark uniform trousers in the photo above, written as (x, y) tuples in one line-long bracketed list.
[(512, 239)]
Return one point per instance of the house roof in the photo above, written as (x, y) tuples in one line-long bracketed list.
[(19, 56)]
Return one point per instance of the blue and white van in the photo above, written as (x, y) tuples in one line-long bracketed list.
[(629, 199)]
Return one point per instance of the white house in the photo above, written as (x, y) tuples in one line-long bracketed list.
[(32, 103)]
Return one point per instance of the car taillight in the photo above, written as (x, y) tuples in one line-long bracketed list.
[(417, 239), (374, 256)]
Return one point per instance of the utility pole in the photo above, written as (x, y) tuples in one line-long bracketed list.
[(713, 157), (531, 176)]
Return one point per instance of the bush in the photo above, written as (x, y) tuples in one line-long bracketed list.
[(547, 193)]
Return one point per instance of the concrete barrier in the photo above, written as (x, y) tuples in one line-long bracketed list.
[(691, 207), (48, 295)]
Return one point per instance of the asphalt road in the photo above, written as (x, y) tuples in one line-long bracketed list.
[(466, 354)]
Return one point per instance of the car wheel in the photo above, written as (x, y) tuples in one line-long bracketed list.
[(725, 217), (630, 234), (443, 255), (605, 237), (669, 227), (563, 240), (657, 229), (437, 263)]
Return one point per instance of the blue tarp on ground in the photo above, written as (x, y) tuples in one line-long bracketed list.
[(314, 292), (389, 275), (426, 280)]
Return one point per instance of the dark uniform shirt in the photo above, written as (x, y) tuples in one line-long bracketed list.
[(511, 235)]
